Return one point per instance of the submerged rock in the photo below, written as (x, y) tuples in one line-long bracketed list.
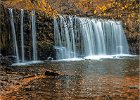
[(50, 58), (50, 73), (133, 87)]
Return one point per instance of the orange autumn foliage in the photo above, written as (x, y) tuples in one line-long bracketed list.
[(39, 5)]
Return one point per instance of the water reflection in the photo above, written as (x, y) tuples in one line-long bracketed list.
[(117, 67), (87, 80)]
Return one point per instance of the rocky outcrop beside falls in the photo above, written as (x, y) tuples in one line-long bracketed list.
[(134, 45)]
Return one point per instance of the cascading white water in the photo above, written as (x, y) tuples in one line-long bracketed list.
[(65, 38), (34, 41), (14, 35), (22, 35), (84, 37)]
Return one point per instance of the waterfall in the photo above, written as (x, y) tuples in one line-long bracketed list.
[(14, 35), (34, 41), (65, 43), (22, 35), (82, 37), (33, 37)]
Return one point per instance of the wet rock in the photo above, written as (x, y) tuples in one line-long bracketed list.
[(17, 83), (50, 58), (133, 87), (4, 79), (5, 60), (28, 89), (7, 69), (49, 73)]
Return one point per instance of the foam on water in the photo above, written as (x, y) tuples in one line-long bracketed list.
[(72, 59), (98, 57), (27, 63)]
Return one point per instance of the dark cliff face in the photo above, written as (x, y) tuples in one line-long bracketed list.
[(45, 36), (133, 43), (5, 37), (45, 40)]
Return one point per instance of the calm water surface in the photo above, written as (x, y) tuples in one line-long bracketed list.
[(105, 79)]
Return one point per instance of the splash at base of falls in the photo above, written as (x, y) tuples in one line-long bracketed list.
[(99, 58), (72, 59), (117, 56), (27, 63)]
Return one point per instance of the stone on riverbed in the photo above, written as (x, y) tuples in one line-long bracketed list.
[(50, 73), (133, 87)]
